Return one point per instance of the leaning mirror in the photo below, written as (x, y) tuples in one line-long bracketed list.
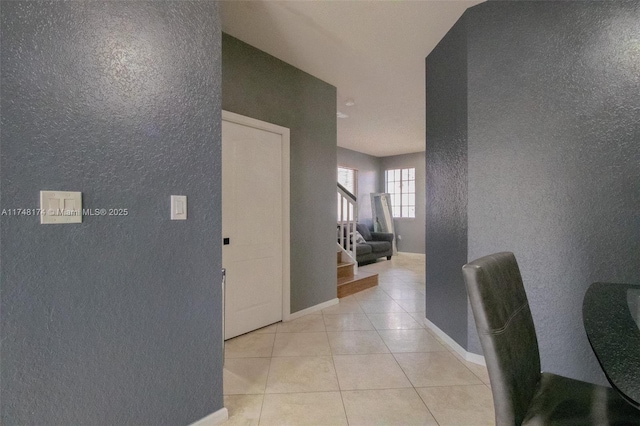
[(382, 215)]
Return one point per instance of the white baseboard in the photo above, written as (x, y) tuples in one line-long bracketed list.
[(213, 419), (469, 356), (312, 309), (475, 358)]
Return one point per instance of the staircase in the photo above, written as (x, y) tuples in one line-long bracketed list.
[(350, 282)]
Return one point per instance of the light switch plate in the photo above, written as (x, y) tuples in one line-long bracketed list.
[(58, 207), (178, 207)]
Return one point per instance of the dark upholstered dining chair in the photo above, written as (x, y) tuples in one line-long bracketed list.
[(523, 395)]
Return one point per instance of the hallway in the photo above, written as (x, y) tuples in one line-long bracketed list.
[(367, 360)]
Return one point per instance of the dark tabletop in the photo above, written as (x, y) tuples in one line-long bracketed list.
[(614, 335)]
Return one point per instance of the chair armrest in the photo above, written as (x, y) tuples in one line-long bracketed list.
[(382, 236)]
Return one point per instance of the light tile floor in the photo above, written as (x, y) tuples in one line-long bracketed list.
[(368, 360)]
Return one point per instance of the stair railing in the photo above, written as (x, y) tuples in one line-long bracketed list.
[(347, 220)]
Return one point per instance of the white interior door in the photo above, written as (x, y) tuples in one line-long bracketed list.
[(252, 221)]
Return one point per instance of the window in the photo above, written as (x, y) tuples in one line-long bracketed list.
[(401, 184), (349, 179)]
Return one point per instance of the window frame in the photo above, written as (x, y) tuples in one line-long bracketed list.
[(355, 178), (399, 189), (355, 192)]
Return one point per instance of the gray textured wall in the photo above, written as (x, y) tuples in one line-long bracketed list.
[(368, 179), (446, 177), (554, 155), (411, 231), (115, 320), (260, 86), (553, 129)]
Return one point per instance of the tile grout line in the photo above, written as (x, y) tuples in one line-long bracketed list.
[(264, 394), (378, 331), (414, 388), (422, 328), (402, 369), (475, 375), (344, 407)]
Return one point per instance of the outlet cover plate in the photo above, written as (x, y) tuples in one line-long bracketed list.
[(178, 207), (58, 207)]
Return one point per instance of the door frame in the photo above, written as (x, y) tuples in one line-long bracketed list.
[(232, 117)]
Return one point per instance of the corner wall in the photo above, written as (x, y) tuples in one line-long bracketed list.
[(446, 184), (553, 154), (261, 86), (116, 320)]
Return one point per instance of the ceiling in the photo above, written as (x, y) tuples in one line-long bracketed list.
[(372, 51)]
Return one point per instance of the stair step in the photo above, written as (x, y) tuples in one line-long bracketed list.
[(345, 270), (351, 285)]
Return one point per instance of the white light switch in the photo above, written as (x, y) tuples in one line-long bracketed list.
[(178, 207), (60, 207)]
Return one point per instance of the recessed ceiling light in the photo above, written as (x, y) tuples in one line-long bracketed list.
[(350, 102), (342, 115)]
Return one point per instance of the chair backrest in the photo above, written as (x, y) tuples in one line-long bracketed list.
[(507, 333)]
